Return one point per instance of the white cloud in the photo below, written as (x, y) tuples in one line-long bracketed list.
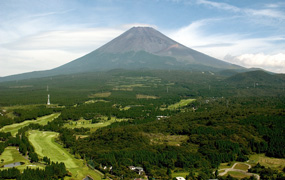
[(275, 62), (128, 26), (234, 48), (51, 49), (268, 12), (20, 61), (219, 5), (76, 40)]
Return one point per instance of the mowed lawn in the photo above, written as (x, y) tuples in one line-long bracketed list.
[(12, 155), (182, 103), (45, 145), (13, 128)]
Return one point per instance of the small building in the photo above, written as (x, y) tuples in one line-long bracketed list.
[(160, 117), (139, 170), (180, 178), (132, 168)]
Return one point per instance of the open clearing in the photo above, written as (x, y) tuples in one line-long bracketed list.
[(273, 163), (171, 140), (180, 174), (92, 101), (13, 128), (93, 127), (45, 145), (238, 175), (182, 103), (241, 166), (100, 95), (141, 96), (238, 170)]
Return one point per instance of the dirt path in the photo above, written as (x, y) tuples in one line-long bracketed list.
[(239, 170)]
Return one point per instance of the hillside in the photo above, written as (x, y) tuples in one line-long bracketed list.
[(259, 78)]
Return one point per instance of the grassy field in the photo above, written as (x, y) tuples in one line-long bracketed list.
[(241, 166), (12, 155), (94, 101), (180, 174), (93, 127), (45, 145), (274, 163), (182, 103), (13, 128), (100, 95), (237, 175), (141, 96), (171, 140)]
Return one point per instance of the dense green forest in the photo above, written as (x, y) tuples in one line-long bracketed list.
[(231, 117)]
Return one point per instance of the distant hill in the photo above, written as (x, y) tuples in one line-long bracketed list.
[(258, 78), (137, 48)]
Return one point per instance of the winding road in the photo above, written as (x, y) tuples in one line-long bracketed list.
[(226, 170)]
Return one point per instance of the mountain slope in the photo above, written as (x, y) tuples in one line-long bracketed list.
[(151, 42), (137, 48)]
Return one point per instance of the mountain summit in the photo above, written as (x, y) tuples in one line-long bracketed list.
[(139, 39), (137, 48), (144, 47)]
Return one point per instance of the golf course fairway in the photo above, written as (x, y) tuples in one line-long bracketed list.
[(45, 145), (13, 128)]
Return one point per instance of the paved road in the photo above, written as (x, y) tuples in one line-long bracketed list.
[(239, 170)]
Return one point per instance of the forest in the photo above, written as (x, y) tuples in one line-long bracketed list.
[(230, 118)]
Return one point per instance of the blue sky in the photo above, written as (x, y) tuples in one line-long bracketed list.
[(39, 34)]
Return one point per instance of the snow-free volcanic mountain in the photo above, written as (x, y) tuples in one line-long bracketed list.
[(137, 48)]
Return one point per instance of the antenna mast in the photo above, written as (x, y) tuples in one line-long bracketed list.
[(48, 101)]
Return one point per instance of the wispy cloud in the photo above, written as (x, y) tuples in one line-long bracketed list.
[(239, 49), (219, 5), (80, 40), (51, 49), (268, 12), (49, 13)]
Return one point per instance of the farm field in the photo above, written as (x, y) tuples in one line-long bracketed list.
[(13, 128), (45, 145)]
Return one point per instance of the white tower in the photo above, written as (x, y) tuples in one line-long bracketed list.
[(48, 101)]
